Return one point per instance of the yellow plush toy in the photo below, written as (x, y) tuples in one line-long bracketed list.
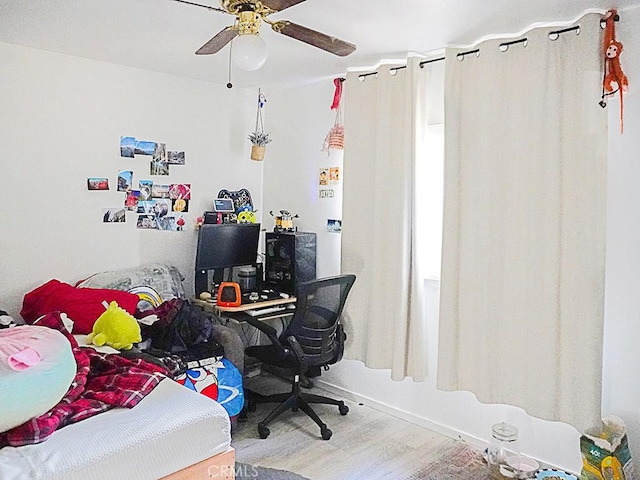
[(115, 328)]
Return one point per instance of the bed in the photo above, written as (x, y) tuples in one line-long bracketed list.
[(172, 433)]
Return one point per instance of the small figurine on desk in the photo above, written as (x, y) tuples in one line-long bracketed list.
[(284, 221)]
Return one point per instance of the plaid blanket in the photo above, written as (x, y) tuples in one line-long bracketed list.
[(103, 381)]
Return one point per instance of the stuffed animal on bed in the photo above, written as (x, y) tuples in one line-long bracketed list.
[(37, 366), (115, 328)]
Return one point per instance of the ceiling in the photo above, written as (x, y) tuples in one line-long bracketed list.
[(162, 35)]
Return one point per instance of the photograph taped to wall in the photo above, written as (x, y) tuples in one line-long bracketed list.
[(175, 158), (158, 168), (145, 187), (180, 190), (160, 153), (323, 176), (146, 206), (98, 183), (162, 207), (127, 147), (147, 222), (334, 175), (326, 193), (180, 205), (159, 190), (144, 148), (125, 179), (113, 215), (131, 200), (334, 226)]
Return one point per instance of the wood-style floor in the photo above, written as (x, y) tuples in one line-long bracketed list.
[(366, 443)]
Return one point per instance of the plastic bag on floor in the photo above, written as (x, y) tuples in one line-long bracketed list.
[(605, 452)]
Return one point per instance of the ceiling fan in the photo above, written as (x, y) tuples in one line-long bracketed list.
[(249, 16)]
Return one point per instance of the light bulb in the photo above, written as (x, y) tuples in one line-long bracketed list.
[(249, 52)]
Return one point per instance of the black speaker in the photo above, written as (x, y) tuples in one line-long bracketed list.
[(290, 259)]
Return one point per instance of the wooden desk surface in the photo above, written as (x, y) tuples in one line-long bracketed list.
[(245, 306)]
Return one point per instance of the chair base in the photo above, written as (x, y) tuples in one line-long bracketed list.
[(293, 401)]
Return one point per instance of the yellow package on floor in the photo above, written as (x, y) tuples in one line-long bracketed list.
[(605, 452)]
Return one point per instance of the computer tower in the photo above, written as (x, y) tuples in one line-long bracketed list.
[(290, 259)]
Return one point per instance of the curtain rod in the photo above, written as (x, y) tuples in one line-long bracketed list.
[(504, 46), (393, 70), (553, 35)]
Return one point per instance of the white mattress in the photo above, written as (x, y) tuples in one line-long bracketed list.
[(171, 428)]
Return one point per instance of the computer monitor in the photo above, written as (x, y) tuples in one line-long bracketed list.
[(227, 245)]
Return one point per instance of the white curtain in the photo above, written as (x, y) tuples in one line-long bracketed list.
[(522, 291), (385, 126)]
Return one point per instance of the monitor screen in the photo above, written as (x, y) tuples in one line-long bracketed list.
[(227, 245)]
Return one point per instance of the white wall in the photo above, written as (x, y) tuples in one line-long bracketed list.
[(458, 412), (299, 120), (61, 120)]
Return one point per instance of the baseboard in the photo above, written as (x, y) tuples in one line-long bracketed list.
[(401, 414), (416, 419)]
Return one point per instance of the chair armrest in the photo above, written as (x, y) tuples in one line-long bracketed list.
[(298, 352), (268, 330)]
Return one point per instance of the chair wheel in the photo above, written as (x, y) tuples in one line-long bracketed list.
[(326, 433), (263, 431), (343, 409)]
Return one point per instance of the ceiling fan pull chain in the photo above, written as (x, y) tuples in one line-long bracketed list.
[(229, 84)]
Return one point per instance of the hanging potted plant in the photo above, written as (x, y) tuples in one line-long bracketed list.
[(259, 138), (259, 141)]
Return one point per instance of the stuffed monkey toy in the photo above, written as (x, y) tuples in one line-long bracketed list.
[(614, 78)]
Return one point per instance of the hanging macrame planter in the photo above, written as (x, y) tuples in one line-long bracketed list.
[(257, 152), (259, 138), (335, 138)]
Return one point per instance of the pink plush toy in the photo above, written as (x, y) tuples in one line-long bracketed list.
[(37, 367)]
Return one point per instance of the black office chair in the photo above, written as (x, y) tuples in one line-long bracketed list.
[(314, 339)]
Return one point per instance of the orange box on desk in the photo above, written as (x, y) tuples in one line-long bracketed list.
[(229, 295)]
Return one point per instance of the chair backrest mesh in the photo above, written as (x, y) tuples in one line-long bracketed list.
[(318, 309)]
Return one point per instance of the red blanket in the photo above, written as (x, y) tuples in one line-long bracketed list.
[(103, 381)]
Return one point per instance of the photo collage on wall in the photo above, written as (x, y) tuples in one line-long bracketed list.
[(158, 205), (327, 177)]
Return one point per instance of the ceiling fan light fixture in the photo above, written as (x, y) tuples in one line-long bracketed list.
[(249, 52)]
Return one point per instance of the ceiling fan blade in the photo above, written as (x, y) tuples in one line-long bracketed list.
[(315, 38), (279, 5), (216, 43)]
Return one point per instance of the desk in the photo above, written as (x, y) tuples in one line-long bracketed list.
[(245, 324), (240, 314)]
